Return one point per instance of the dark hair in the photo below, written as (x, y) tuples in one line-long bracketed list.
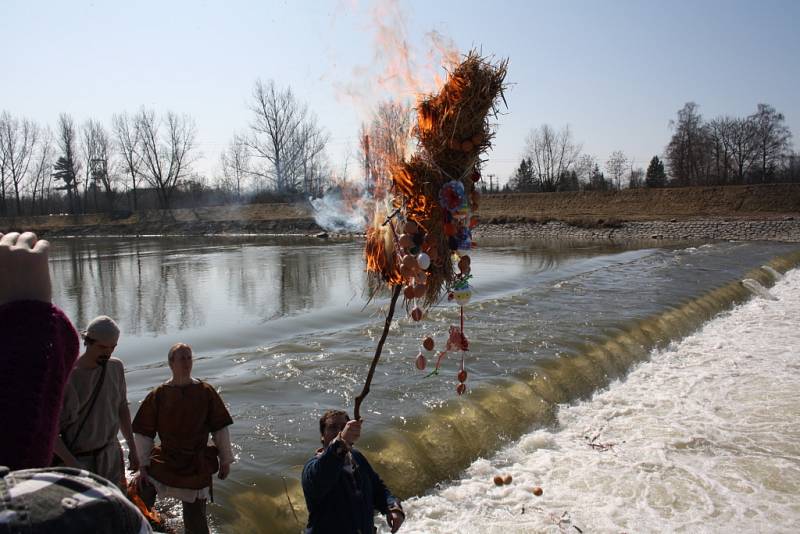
[(330, 414)]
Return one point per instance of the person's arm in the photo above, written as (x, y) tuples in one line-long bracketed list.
[(144, 432), (222, 440), (60, 450), (125, 424), (127, 431), (144, 446), (321, 473), (383, 500)]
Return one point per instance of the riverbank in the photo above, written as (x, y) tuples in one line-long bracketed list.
[(753, 212), (786, 230)]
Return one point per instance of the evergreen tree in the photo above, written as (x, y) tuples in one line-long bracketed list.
[(523, 178), (656, 176), (597, 181), (65, 171), (569, 181)]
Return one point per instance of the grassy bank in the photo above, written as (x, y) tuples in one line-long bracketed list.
[(594, 209)]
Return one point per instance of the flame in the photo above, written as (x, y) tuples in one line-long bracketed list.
[(152, 516)]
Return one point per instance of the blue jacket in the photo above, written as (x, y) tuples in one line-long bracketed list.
[(339, 502)]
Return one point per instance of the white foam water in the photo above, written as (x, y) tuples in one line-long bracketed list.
[(757, 289), (703, 437)]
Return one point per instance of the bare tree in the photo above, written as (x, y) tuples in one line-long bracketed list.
[(128, 138), (3, 164), (284, 135), (18, 140), (615, 167), (166, 147), (385, 141), (772, 139), (741, 142), (584, 167), (97, 147), (685, 152), (235, 161), (67, 167), (41, 172), (552, 154), (635, 177)]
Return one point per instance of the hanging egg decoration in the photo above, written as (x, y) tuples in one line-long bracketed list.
[(462, 292)]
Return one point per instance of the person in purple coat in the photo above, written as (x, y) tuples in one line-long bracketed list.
[(39, 347)]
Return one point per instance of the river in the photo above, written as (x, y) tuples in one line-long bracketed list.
[(283, 328)]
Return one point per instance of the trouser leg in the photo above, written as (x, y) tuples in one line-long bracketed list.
[(194, 517)]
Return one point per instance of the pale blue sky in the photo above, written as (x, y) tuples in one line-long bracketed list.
[(615, 71)]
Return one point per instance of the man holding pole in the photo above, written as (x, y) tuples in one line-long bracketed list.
[(342, 490)]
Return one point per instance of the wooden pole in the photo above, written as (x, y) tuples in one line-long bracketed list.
[(378, 349)]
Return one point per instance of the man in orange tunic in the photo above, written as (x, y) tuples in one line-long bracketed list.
[(182, 411)]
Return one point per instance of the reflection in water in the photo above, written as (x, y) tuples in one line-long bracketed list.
[(159, 286)]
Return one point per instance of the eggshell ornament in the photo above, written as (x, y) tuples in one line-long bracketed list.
[(408, 292), (409, 262), (507, 479), (460, 389), (420, 290), (410, 227), (406, 241), (498, 480), (462, 295), (462, 375), (421, 277), (423, 260), (537, 491), (428, 343), (420, 362), (416, 314)]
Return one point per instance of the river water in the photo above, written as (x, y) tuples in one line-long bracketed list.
[(283, 328)]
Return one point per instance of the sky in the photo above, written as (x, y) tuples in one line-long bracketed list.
[(615, 71)]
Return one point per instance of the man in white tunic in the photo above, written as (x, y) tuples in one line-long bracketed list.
[(95, 408)]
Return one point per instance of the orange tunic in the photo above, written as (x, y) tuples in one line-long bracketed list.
[(183, 417)]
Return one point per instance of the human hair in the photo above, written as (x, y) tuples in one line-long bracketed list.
[(330, 414), (175, 348)]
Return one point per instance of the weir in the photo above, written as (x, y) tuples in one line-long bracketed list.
[(425, 450)]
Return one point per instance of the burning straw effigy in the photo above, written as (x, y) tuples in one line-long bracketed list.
[(421, 233)]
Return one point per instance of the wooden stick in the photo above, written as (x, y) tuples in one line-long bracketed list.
[(378, 349)]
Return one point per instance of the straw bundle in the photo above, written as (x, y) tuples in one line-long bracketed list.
[(453, 131)]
